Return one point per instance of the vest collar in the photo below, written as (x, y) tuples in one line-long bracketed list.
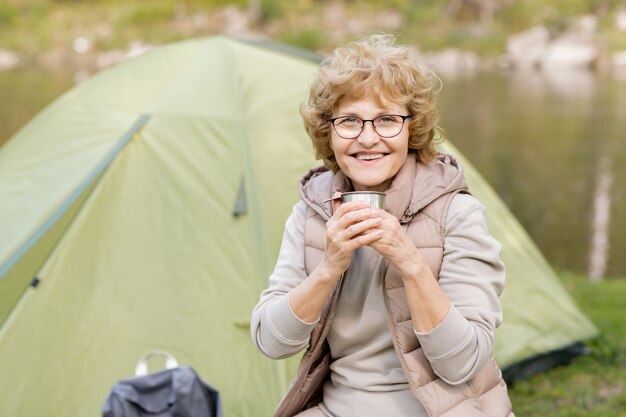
[(428, 182)]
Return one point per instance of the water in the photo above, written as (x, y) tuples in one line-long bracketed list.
[(551, 146), (553, 149)]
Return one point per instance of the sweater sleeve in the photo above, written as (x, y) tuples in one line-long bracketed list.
[(276, 331), (472, 276)]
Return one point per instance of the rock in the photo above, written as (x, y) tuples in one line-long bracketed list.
[(389, 19), (525, 50), (575, 49), (570, 52), (585, 25), (619, 61), (452, 63), (338, 24), (620, 20), (108, 58), (8, 60), (236, 23), (81, 45), (135, 48)]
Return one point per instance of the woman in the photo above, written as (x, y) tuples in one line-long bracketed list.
[(397, 308)]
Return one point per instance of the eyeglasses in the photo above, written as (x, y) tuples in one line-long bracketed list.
[(385, 126)]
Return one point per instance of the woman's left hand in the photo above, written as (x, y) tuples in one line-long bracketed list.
[(395, 245), (427, 302)]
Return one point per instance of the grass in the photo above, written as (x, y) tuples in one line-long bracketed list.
[(592, 385)]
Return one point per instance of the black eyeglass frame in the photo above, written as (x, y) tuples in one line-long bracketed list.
[(404, 118)]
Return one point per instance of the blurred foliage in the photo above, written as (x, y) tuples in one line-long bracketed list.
[(592, 385), (311, 39), (483, 26), (135, 14), (8, 14)]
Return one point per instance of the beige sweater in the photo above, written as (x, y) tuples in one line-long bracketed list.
[(366, 378)]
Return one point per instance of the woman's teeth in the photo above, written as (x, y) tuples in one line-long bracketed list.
[(369, 157)]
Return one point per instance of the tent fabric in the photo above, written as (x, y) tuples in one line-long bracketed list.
[(149, 202)]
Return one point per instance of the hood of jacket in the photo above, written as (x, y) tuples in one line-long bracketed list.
[(414, 186)]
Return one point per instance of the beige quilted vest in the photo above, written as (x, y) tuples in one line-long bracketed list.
[(484, 395)]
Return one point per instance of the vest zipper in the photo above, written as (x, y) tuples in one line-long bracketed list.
[(318, 345), (333, 302), (394, 337)]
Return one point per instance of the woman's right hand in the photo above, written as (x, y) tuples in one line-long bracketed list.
[(353, 225)]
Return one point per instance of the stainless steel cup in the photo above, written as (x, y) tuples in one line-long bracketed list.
[(376, 199)]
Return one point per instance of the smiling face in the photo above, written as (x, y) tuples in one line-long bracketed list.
[(370, 161)]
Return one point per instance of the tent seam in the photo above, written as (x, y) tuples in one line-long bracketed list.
[(74, 195)]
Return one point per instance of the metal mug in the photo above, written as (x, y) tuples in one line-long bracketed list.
[(376, 199)]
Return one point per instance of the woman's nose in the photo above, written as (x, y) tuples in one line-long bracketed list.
[(368, 136)]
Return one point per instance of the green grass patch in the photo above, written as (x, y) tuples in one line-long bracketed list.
[(593, 385), (310, 39), (9, 14), (146, 13)]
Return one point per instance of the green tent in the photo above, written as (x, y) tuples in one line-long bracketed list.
[(144, 209)]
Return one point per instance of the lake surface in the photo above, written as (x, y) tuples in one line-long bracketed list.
[(553, 149), (551, 146)]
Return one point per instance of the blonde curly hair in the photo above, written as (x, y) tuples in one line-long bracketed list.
[(376, 67)]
